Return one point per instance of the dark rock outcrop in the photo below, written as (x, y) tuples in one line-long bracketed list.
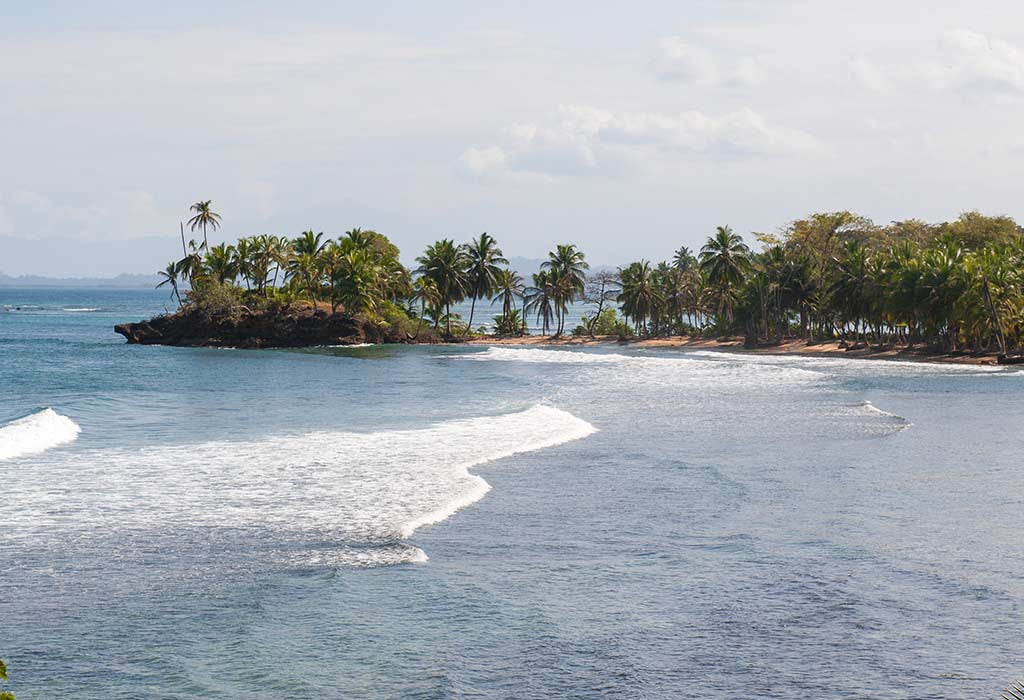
[(263, 329)]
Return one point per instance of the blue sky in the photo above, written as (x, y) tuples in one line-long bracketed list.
[(631, 128)]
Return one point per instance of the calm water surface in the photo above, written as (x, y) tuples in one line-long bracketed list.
[(473, 522)]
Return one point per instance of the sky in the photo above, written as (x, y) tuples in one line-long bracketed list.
[(630, 128)]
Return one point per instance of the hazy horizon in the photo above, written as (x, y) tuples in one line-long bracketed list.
[(628, 132)]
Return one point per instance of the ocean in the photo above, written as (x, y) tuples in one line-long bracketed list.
[(496, 522)]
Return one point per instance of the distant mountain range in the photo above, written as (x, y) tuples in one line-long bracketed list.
[(124, 281)]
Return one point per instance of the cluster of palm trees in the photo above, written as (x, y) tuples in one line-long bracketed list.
[(359, 271), (449, 274), (956, 286)]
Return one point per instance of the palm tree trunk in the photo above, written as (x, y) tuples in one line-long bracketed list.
[(472, 310)]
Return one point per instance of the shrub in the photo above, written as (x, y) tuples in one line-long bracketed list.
[(606, 323), (216, 300), (509, 326)]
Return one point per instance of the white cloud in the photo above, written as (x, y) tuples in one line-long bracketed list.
[(963, 61), (677, 59), (585, 139), (984, 64), (121, 214)]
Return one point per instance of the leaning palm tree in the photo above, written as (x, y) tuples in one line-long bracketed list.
[(483, 257), (170, 276), (204, 218), (445, 263), (191, 266)]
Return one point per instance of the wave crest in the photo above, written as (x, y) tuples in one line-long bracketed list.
[(36, 433), (331, 497)]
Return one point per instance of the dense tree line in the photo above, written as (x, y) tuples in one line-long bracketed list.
[(954, 286)]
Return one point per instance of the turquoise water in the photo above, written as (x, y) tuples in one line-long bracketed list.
[(473, 522)]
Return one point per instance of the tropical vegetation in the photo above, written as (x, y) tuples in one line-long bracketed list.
[(954, 286)]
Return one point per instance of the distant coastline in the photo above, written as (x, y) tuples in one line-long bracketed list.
[(123, 281)]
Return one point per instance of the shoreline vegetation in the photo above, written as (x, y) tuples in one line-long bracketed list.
[(827, 284)]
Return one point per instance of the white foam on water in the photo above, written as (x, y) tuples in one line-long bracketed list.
[(866, 419), (36, 433), (657, 366), (541, 355), (876, 366), (81, 310), (364, 491)]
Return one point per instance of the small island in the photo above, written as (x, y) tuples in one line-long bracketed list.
[(831, 282)]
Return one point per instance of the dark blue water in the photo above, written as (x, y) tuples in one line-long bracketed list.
[(660, 524)]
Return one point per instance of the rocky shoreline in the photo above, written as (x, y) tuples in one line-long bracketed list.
[(259, 329)]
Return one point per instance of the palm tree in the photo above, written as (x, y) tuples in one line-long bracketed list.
[(483, 257), (542, 297), (192, 264), (425, 291), (639, 296), (309, 242), (170, 276), (725, 260), (204, 217), (569, 266), (684, 259), (280, 251), (508, 287), (220, 262), (244, 253), (305, 263), (445, 264)]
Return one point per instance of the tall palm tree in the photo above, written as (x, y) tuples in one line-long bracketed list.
[(204, 218), (482, 257), (508, 287), (305, 263), (725, 259), (569, 266), (170, 276), (445, 263), (639, 297), (280, 251), (244, 254), (425, 291), (542, 297)]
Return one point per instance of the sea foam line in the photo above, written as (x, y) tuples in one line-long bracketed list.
[(36, 433), (573, 428)]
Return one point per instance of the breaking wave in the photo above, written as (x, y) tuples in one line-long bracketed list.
[(361, 492), (36, 433)]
